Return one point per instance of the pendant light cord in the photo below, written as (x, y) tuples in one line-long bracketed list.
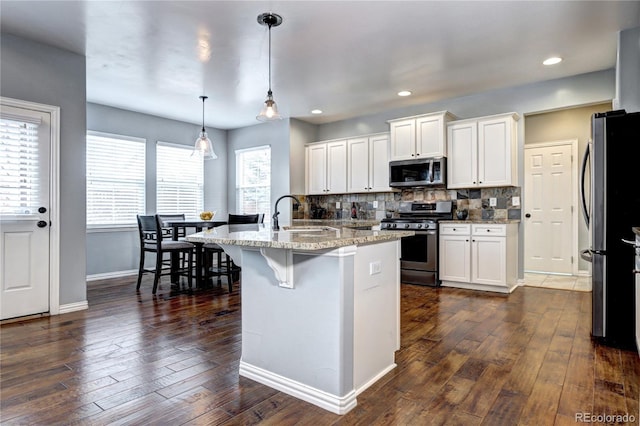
[(269, 58)]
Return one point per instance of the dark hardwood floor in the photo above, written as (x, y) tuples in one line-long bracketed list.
[(466, 358)]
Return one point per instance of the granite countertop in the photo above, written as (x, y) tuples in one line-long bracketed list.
[(347, 223), (636, 230), (480, 221), (296, 237)]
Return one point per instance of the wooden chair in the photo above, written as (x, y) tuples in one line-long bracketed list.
[(225, 265), (152, 240), (168, 230)]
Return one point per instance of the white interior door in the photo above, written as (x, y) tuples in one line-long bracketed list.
[(549, 187), (25, 145)]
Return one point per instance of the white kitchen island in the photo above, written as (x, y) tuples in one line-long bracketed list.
[(320, 308)]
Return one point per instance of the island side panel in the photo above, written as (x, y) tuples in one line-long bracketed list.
[(304, 334), (376, 312)]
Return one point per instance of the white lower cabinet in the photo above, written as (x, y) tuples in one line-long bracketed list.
[(479, 256)]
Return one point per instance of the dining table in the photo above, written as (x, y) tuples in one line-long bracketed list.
[(198, 225)]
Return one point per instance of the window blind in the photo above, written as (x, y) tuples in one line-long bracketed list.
[(180, 180), (253, 180), (115, 179), (19, 166)]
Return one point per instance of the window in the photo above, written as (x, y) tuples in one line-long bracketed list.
[(19, 166), (253, 180), (115, 179), (180, 180)]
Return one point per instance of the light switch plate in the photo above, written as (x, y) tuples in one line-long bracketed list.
[(515, 201), (337, 204), (375, 204), (493, 201), (375, 267)]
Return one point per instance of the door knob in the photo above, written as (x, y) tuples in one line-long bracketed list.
[(42, 224), (527, 215)]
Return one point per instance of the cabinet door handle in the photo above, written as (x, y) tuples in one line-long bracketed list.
[(631, 243), (488, 230)]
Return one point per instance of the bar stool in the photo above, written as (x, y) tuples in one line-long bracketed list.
[(151, 241), (225, 265)]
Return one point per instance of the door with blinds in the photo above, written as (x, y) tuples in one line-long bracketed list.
[(24, 211)]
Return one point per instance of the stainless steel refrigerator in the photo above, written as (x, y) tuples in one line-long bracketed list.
[(612, 209)]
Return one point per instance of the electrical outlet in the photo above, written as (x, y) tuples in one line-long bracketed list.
[(375, 267), (515, 201), (337, 204), (375, 204), (493, 201)]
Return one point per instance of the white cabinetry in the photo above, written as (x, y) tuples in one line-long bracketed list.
[(368, 163), (479, 256), (422, 136), (482, 152), (326, 167)]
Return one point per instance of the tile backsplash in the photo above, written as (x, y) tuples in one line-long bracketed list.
[(476, 201)]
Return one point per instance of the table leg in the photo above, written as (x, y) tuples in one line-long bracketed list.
[(175, 259)]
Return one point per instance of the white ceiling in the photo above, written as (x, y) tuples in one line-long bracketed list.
[(348, 58)]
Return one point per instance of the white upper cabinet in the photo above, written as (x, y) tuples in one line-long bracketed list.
[(358, 164), (316, 168), (482, 152), (368, 163), (326, 167), (422, 136)]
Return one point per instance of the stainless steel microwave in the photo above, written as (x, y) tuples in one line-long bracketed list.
[(429, 172)]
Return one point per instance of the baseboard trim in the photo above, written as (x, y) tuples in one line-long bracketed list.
[(72, 307), (330, 402), (107, 275)]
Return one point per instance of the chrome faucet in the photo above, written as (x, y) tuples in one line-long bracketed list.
[(275, 226)]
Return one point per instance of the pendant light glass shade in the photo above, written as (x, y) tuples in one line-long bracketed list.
[(270, 110), (203, 146)]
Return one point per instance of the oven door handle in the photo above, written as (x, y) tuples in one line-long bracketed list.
[(427, 232)]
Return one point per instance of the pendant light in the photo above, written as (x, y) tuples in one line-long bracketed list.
[(270, 110), (203, 145)]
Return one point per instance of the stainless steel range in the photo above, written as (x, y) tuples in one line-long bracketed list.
[(419, 253)]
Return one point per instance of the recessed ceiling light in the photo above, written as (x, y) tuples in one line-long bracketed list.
[(404, 93), (316, 111), (552, 61)]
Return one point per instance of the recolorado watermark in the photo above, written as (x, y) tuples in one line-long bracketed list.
[(604, 418)]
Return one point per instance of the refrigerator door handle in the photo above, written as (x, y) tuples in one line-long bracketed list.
[(585, 161)]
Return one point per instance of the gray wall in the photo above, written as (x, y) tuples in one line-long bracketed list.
[(275, 134), (543, 96), (39, 73), (301, 133), (628, 70), (111, 250)]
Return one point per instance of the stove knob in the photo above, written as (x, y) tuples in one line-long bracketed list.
[(406, 225), (419, 225), (394, 225)]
